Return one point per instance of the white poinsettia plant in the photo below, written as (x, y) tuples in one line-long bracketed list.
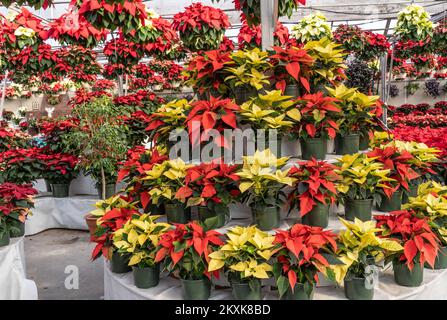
[(312, 28), (413, 23)]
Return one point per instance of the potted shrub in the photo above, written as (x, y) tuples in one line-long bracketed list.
[(362, 178), (211, 187), (201, 27), (139, 237), (185, 251), (291, 68), (313, 191), (299, 258), (247, 73), (60, 170), (356, 108), (159, 186), (20, 166), (15, 204), (261, 183), (400, 171), (419, 244), (112, 214), (431, 202), (318, 115), (244, 259), (361, 249), (273, 113)]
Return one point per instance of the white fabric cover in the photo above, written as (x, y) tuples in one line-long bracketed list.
[(67, 213), (13, 282)]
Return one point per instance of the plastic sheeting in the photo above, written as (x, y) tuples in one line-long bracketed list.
[(13, 282)]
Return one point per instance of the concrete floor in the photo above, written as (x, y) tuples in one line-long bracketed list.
[(54, 255)]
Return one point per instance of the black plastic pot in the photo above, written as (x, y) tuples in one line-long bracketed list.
[(391, 204), (213, 219), (110, 190), (4, 239), (355, 289), (242, 290), (119, 263), (148, 277), (348, 144), (266, 218), (313, 148), (292, 90), (177, 213), (60, 190), (299, 293), (318, 216), (360, 209), (406, 277), (17, 230), (196, 289)]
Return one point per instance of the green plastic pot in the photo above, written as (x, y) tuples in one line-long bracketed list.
[(147, 277), (177, 213), (363, 141), (242, 95), (154, 209), (414, 187), (391, 204), (313, 148), (242, 290), (17, 230), (266, 218), (360, 209), (404, 277), (348, 144), (4, 239), (318, 216), (441, 260), (196, 289), (119, 263), (355, 289), (213, 219), (299, 293), (60, 190), (110, 190), (292, 90)]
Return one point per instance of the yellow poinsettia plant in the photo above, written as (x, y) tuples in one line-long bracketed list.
[(431, 202), (271, 110), (360, 248), (329, 62), (362, 177), (139, 238), (262, 179), (162, 182), (379, 138), (245, 255), (247, 69)]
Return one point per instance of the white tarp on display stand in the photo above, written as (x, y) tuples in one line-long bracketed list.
[(13, 282)]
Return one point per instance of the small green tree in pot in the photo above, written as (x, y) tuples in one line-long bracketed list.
[(100, 140), (313, 192), (262, 181), (361, 249), (363, 178), (139, 237), (420, 245), (304, 250), (185, 251), (431, 202), (244, 259)]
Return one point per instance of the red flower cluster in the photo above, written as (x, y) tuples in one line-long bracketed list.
[(122, 52), (103, 85), (11, 194), (197, 16), (432, 137), (251, 36)]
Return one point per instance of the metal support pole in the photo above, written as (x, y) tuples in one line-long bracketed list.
[(2, 103), (269, 18)]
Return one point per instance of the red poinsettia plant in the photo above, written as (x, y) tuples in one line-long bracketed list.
[(185, 251), (205, 71), (36, 4), (20, 165), (16, 200), (126, 15), (314, 184), (318, 115), (251, 36), (201, 27), (303, 251), (210, 184), (414, 234), (77, 63), (398, 162), (32, 60), (60, 168), (291, 66), (123, 52), (215, 114)]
